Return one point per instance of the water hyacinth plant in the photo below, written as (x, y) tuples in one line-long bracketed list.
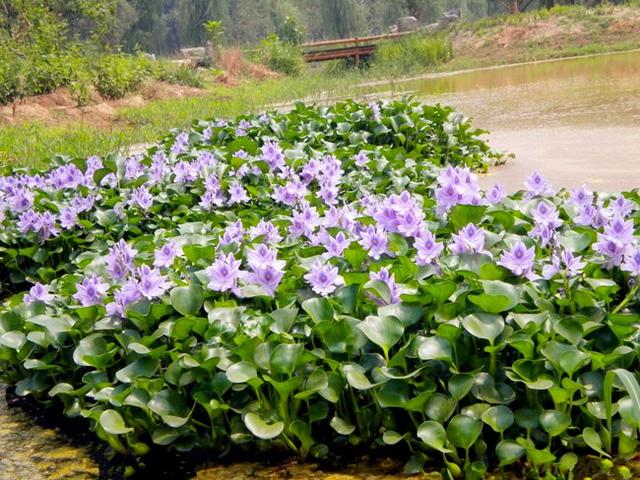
[(323, 278)]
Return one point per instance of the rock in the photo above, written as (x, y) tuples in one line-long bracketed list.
[(407, 24), (195, 52)]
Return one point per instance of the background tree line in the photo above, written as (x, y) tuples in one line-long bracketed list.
[(165, 26)]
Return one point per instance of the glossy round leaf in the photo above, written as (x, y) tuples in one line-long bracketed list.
[(435, 348), (433, 435), (113, 423), (463, 431), (261, 429)]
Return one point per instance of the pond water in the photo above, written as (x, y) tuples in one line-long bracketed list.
[(576, 121)]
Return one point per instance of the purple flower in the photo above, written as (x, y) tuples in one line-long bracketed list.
[(152, 283), (375, 111), (389, 279), (323, 278), (546, 214), (519, 259), (38, 292), (129, 293), (267, 230), (335, 246), (427, 249), (581, 197), (495, 195), (361, 158), (184, 172), (133, 168), (261, 256), (568, 263), (68, 218), (272, 154), (91, 291), (470, 239), (181, 144), (631, 262), (223, 274), (165, 255), (621, 206), (304, 222), (612, 249), (119, 260), (375, 241), (27, 221), (141, 197), (537, 185), (620, 230), (267, 276), (234, 233), (237, 194)]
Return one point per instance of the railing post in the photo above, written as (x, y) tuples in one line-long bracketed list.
[(357, 51)]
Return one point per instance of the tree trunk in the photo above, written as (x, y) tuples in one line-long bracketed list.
[(514, 7), (549, 3)]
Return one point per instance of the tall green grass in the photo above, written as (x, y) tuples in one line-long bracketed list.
[(412, 53)]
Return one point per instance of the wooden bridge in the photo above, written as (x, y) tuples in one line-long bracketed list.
[(357, 48)]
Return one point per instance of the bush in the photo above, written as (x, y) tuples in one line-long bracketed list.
[(412, 53), (179, 75), (366, 297), (9, 77), (117, 75), (281, 57), (44, 73)]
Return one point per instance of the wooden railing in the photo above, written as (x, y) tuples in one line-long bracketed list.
[(356, 47)]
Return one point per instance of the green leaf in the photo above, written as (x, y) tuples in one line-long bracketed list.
[(171, 407), (383, 331), (285, 357), (112, 422), (499, 418), (14, 340), (319, 309), (508, 452), (554, 422), (259, 428), (441, 291), (187, 300), (435, 348), (407, 313), (592, 438), (460, 384), (433, 435), (463, 431), (143, 367), (342, 427), (440, 407), (484, 325), (462, 215), (356, 378), (241, 372)]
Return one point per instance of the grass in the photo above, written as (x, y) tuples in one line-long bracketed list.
[(32, 144)]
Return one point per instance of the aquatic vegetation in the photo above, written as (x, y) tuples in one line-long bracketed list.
[(321, 279)]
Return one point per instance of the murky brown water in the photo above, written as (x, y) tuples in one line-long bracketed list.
[(576, 121)]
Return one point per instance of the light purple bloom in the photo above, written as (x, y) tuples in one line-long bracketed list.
[(519, 259), (427, 248), (152, 283), (375, 241), (129, 293), (272, 154), (304, 222), (537, 185), (181, 144), (335, 246), (566, 262), (165, 255), (38, 292), (470, 239), (496, 195), (90, 291), (267, 276), (361, 158), (612, 249), (631, 262), (323, 278), (581, 197), (267, 230), (119, 261), (237, 194), (141, 197), (261, 256), (68, 218), (621, 206), (223, 274), (620, 229)]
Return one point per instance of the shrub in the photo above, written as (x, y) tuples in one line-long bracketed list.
[(9, 77), (117, 75), (412, 53), (314, 280), (281, 57), (44, 73), (179, 75)]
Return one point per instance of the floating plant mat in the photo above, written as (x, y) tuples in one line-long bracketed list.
[(331, 279)]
